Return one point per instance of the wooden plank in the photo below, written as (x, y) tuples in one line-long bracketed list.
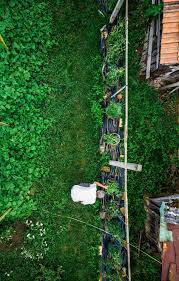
[(171, 35), (149, 56), (170, 41), (170, 19), (168, 51), (172, 25), (168, 61), (158, 34), (130, 166), (168, 45), (169, 30), (169, 56), (170, 1), (172, 7), (171, 85), (116, 10), (169, 15)]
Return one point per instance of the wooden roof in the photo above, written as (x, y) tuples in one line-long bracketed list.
[(169, 53)]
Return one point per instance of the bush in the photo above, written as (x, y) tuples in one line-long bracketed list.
[(115, 75), (114, 110), (26, 29), (112, 139), (116, 44)]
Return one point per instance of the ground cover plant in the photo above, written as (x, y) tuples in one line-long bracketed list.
[(23, 90)]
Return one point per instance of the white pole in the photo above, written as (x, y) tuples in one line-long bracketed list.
[(126, 140)]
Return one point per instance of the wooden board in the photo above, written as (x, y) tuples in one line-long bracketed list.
[(149, 57), (116, 10), (170, 19), (170, 1)]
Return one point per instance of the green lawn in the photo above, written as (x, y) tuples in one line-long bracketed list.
[(72, 156)]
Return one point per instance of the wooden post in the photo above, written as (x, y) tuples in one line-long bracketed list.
[(130, 166), (116, 11), (149, 57), (158, 39)]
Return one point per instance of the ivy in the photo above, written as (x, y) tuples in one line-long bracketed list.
[(26, 28)]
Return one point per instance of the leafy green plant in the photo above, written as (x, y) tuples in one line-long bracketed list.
[(154, 10), (113, 210), (48, 273), (23, 89), (112, 139), (111, 4), (112, 188), (116, 44), (97, 112), (114, 110), (114, 75), (115, 230)]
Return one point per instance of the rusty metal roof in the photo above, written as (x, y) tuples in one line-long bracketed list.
[(169, 53)]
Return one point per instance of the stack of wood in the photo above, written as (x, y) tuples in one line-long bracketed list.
[(160, 57)]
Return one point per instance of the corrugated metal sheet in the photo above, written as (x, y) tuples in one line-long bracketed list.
[(169, 53)]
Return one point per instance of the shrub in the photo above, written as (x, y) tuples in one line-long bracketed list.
[(112, 188), (116, 44), (114, 76), (114, 110), (112, 139)]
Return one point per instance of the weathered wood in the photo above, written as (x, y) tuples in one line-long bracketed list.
[(130, 166), (175, 89), (171, 85), (158, 39), (149, 57), (120, 90), (116, 10)]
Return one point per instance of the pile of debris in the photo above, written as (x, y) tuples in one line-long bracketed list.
[(162, 230)]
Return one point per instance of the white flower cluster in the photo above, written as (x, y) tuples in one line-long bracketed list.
[(36, 238)]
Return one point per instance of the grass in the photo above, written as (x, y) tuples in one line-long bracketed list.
[(72, 155)]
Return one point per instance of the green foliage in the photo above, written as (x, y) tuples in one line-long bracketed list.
[(154, 10), (26, 28), (112, 139), (115, 230), (114, 75), (105, 157), (113, 209), (112, 188), (97, 112), (116, 44), (49, 274), (114, 110), (111, 4)]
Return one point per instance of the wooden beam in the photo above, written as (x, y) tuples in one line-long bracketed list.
[(130, 166), (116, 11), (171, 85), (158, 39), (149, 57)]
